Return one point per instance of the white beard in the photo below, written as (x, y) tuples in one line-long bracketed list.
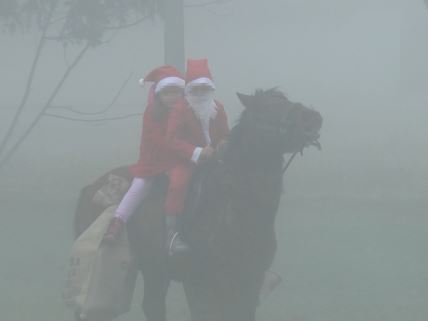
[(204, 107)]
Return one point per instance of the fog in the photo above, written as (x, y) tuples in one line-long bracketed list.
[(353, 217)]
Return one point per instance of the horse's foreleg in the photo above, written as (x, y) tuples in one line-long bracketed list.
[(155, 288), (201, 302), (242, 305)]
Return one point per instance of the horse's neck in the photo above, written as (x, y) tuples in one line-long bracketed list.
[(250, 182), (243, 158)]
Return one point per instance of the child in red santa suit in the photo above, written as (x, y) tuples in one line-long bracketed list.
[(155, 156)]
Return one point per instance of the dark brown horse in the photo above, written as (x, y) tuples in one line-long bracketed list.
[(231, 213)]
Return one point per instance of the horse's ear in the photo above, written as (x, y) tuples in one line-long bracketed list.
[(246, 100)]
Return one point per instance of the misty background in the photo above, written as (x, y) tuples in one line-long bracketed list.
[(353, 218)]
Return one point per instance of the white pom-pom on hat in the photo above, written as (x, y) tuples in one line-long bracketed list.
[(141, 82)]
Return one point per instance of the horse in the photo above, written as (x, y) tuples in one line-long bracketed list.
[(231, 210)]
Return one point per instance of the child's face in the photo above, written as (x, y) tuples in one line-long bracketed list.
[(170, 95)]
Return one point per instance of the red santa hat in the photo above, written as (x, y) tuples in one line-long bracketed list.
[(164, 76), (198, 73)]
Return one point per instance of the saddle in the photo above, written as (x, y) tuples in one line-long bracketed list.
[(110, 188)]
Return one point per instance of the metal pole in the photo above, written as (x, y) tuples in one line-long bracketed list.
[(174, 33)]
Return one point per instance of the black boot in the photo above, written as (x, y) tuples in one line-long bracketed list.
[(174, 243)]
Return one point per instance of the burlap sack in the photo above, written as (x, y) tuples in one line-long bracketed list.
[(101, 278)]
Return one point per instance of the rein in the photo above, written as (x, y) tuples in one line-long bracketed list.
[(315, 143), (289, 162)]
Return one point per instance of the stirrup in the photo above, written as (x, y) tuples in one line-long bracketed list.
[(172, 249)]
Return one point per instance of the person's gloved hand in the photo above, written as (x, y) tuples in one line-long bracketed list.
[(206, 153)]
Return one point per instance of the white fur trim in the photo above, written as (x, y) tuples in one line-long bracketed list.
[(169, 81), (201, 81), (196, 154)]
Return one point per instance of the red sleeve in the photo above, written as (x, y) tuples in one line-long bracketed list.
[(152, 137), (174, 133)]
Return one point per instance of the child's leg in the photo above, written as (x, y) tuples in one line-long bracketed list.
[(133, 197)]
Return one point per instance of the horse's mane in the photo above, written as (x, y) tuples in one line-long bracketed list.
[(274, 91), (265, 97)]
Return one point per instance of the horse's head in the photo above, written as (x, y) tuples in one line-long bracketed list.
[(271, 122)]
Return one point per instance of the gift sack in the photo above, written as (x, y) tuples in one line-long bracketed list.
[(101, 277)]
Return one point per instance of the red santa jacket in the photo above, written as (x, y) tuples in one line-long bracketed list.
[(155, 155), (184, 132)]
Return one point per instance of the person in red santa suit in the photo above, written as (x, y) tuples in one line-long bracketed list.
[(197, 125), (155, 157)]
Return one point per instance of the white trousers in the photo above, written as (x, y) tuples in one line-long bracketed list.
[(139, 189)]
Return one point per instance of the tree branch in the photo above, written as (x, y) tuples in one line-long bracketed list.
[(118, 27), (56, 38), (102, 111), (206, 4), (52, 22), (30, 78), (92, 120), (138, 21), (21, 139)]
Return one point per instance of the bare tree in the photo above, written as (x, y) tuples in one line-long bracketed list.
[(79, 23), (85, 24)]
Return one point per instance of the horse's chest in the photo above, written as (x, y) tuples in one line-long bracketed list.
[(255, 191)]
